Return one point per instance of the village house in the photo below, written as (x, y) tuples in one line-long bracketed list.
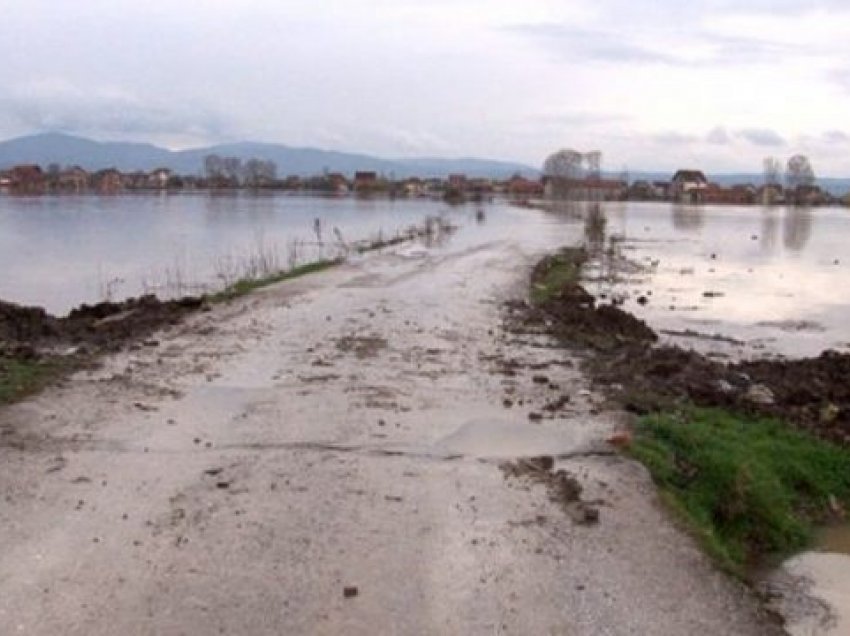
[(365, 181), (107, 181), (688, 186), (292, 182), (73, 179), (413, 187), (736, 195), (338, 183), (641, 191), (519, 186), (457, 182), (137, 180), (159, 178), (589, 189), (27, 179)]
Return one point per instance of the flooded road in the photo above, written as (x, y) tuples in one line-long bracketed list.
[(327, 456)]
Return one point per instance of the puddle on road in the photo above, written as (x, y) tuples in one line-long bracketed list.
[(506, 439), (825, 572)]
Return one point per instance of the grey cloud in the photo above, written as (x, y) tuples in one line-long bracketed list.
[(672, 137), (580, 119), (62, 107), (577, 43), (761, 137), (706, 48), (718, 135), (836, 137)]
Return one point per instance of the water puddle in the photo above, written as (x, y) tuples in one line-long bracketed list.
[(817, 602), (506, 439)]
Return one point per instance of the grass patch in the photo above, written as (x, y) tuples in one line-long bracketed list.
[(748, 488), (19, 378), (555, 272), (247, 285)]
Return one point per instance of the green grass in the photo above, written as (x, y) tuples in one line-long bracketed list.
[(747, 488), (554, 272), (19, 378), (247, 285)]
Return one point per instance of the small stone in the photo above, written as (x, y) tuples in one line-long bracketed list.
[(760, 394), (590, 515)]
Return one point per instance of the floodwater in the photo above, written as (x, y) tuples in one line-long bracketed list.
[(733, 281), (58, 252), (730, 281)]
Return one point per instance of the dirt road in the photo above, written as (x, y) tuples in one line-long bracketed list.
[(323, 457)]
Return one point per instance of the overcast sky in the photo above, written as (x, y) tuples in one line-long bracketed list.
[(716, 84)]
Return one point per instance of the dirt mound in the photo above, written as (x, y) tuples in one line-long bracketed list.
[(104, 326), (575, 317), (25, 324)]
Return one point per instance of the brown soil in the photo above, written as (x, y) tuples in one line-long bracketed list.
[(31, 331), (624, 362)]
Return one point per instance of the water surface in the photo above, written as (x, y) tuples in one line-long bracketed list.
[(773, 279)]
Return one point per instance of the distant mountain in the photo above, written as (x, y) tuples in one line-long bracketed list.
[(66, 150)]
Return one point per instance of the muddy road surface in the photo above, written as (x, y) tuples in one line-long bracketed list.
[(341, 454)]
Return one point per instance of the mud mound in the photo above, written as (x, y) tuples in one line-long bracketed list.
[(103, 326), (813, 392), (575, 317), (108, 325), (25, 324)]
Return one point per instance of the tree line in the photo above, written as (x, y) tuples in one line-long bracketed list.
[(232, 172)]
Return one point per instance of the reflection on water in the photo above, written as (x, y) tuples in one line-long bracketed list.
[(687, 218), (797, 227), (594, 228), (834, 538), (769, 228)]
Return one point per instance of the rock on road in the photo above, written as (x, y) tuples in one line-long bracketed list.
[(322, 457)]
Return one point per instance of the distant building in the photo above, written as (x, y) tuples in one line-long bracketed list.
[(107, 181), (365, 181), (519, 186), (159, 178), (338, 182), (27, 179), (688, 186), (736, 195), (457, 182), (589, 189), (73, 179)]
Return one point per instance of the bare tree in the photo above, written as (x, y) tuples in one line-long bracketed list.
[(593, 160), (772, 171), (259, 173), (564, 164), (232, 169), (565, 167), (213, 168), (799, 176)]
